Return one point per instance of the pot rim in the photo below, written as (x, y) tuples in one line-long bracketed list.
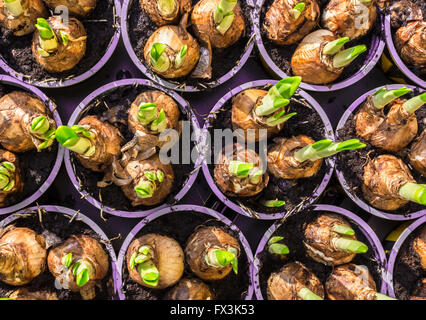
[(395, 56), (329, 134), (374, 54), (367, 231), (395, 250), (180, 208), (168, 84), (8, 80), (84, 218), (361, 203), (82, 77), (81, 108)]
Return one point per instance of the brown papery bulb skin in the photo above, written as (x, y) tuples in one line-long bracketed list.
[(67, 56), (236, 186), (200, 243), (108, 144), (190, 289), (419, 246), (283, 165), (309, 63), (319, 236), (392, 131), (350, 282), (151, 8), (79, 8), (174, 37), (136, 170), (418, 153), (25, 294), (403, 11), (349, 18), (290, 279), (19, 183), (281, 26), (84, 248), (410, 42), (17, 111), (163, 101), (22, 255), (203, 24), (245, 118), (168, 259), (25, 23), (383, 177)]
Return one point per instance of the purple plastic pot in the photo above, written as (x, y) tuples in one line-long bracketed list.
[(375, 52), (7, 80), (374, 243), (82, 77), (395, 251), (328, 134), (81, 218), (127, 4), (181, 208), (75, 118), (396, 58), (352, 110)]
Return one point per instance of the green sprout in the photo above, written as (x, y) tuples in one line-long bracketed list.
[(344, 230), (334, 47), (224, 15), (415, 103), (40, 127), (383, 97), (65, 38), (326, 148), (82, 271), (244, 170), (145, 189), (14, 7), (218, 258), (77, 139), (275, 247), (380, 296), (345, 57), (148, 115), (142, 259), (414, 192), (277, 98), (7, 178), (48, 40), (158, 57), (180, 58), (306, 294), (67, 260), (274, 203), (160, 175), (350, 245), (166, 7), (298, 10)]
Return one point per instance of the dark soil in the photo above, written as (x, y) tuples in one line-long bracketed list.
[(141, 28), (60, 226), (352, 163), (421, 73), (408, 272), (114, 106), (281, 55), (296, 193), (100, 28), (180, 226), (35, 166), (293, 232)]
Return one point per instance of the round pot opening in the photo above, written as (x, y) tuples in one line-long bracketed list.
[(179, 223), (292, 231)]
